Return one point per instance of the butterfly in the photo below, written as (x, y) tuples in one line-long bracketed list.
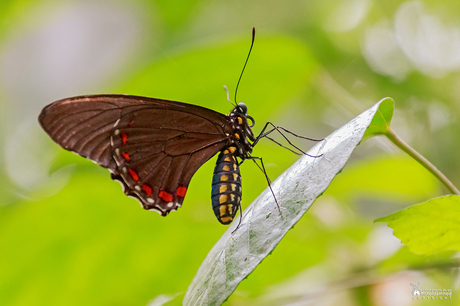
[(153, 147)]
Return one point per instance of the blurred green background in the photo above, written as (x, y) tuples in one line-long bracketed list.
[(68, 235)]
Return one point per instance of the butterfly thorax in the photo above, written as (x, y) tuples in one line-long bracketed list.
[(242, 135)]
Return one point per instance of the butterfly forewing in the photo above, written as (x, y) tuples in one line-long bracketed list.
[(152, 146), (82, 127)]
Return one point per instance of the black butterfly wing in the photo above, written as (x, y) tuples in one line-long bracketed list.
[(152, 146)]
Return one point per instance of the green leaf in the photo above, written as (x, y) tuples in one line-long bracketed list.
[(381, 122), (238, 253), (430, 227)]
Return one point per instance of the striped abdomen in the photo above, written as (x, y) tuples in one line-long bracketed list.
[(226, 186)]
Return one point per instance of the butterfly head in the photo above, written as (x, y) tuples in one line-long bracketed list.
[(242, 110)]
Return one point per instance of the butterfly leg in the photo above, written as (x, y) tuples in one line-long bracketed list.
[(279, 129), (241, 219), (262, 168)]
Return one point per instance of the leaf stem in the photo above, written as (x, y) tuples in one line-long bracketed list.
[(422, 160)]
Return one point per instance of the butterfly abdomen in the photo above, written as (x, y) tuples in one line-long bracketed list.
[(226, 186)]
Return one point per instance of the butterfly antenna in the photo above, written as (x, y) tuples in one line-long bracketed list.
[(247, 58)]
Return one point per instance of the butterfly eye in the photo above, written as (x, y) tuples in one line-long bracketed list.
[(243, 108)]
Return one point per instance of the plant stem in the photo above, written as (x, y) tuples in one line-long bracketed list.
[(422, 160)]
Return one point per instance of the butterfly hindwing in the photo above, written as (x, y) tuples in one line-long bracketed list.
[(152, 146)]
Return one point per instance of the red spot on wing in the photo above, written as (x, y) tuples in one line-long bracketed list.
[(167, 197), (130, 124), (133, 174), (124, 137), (181, 191), (125, 155), (147, 189)]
